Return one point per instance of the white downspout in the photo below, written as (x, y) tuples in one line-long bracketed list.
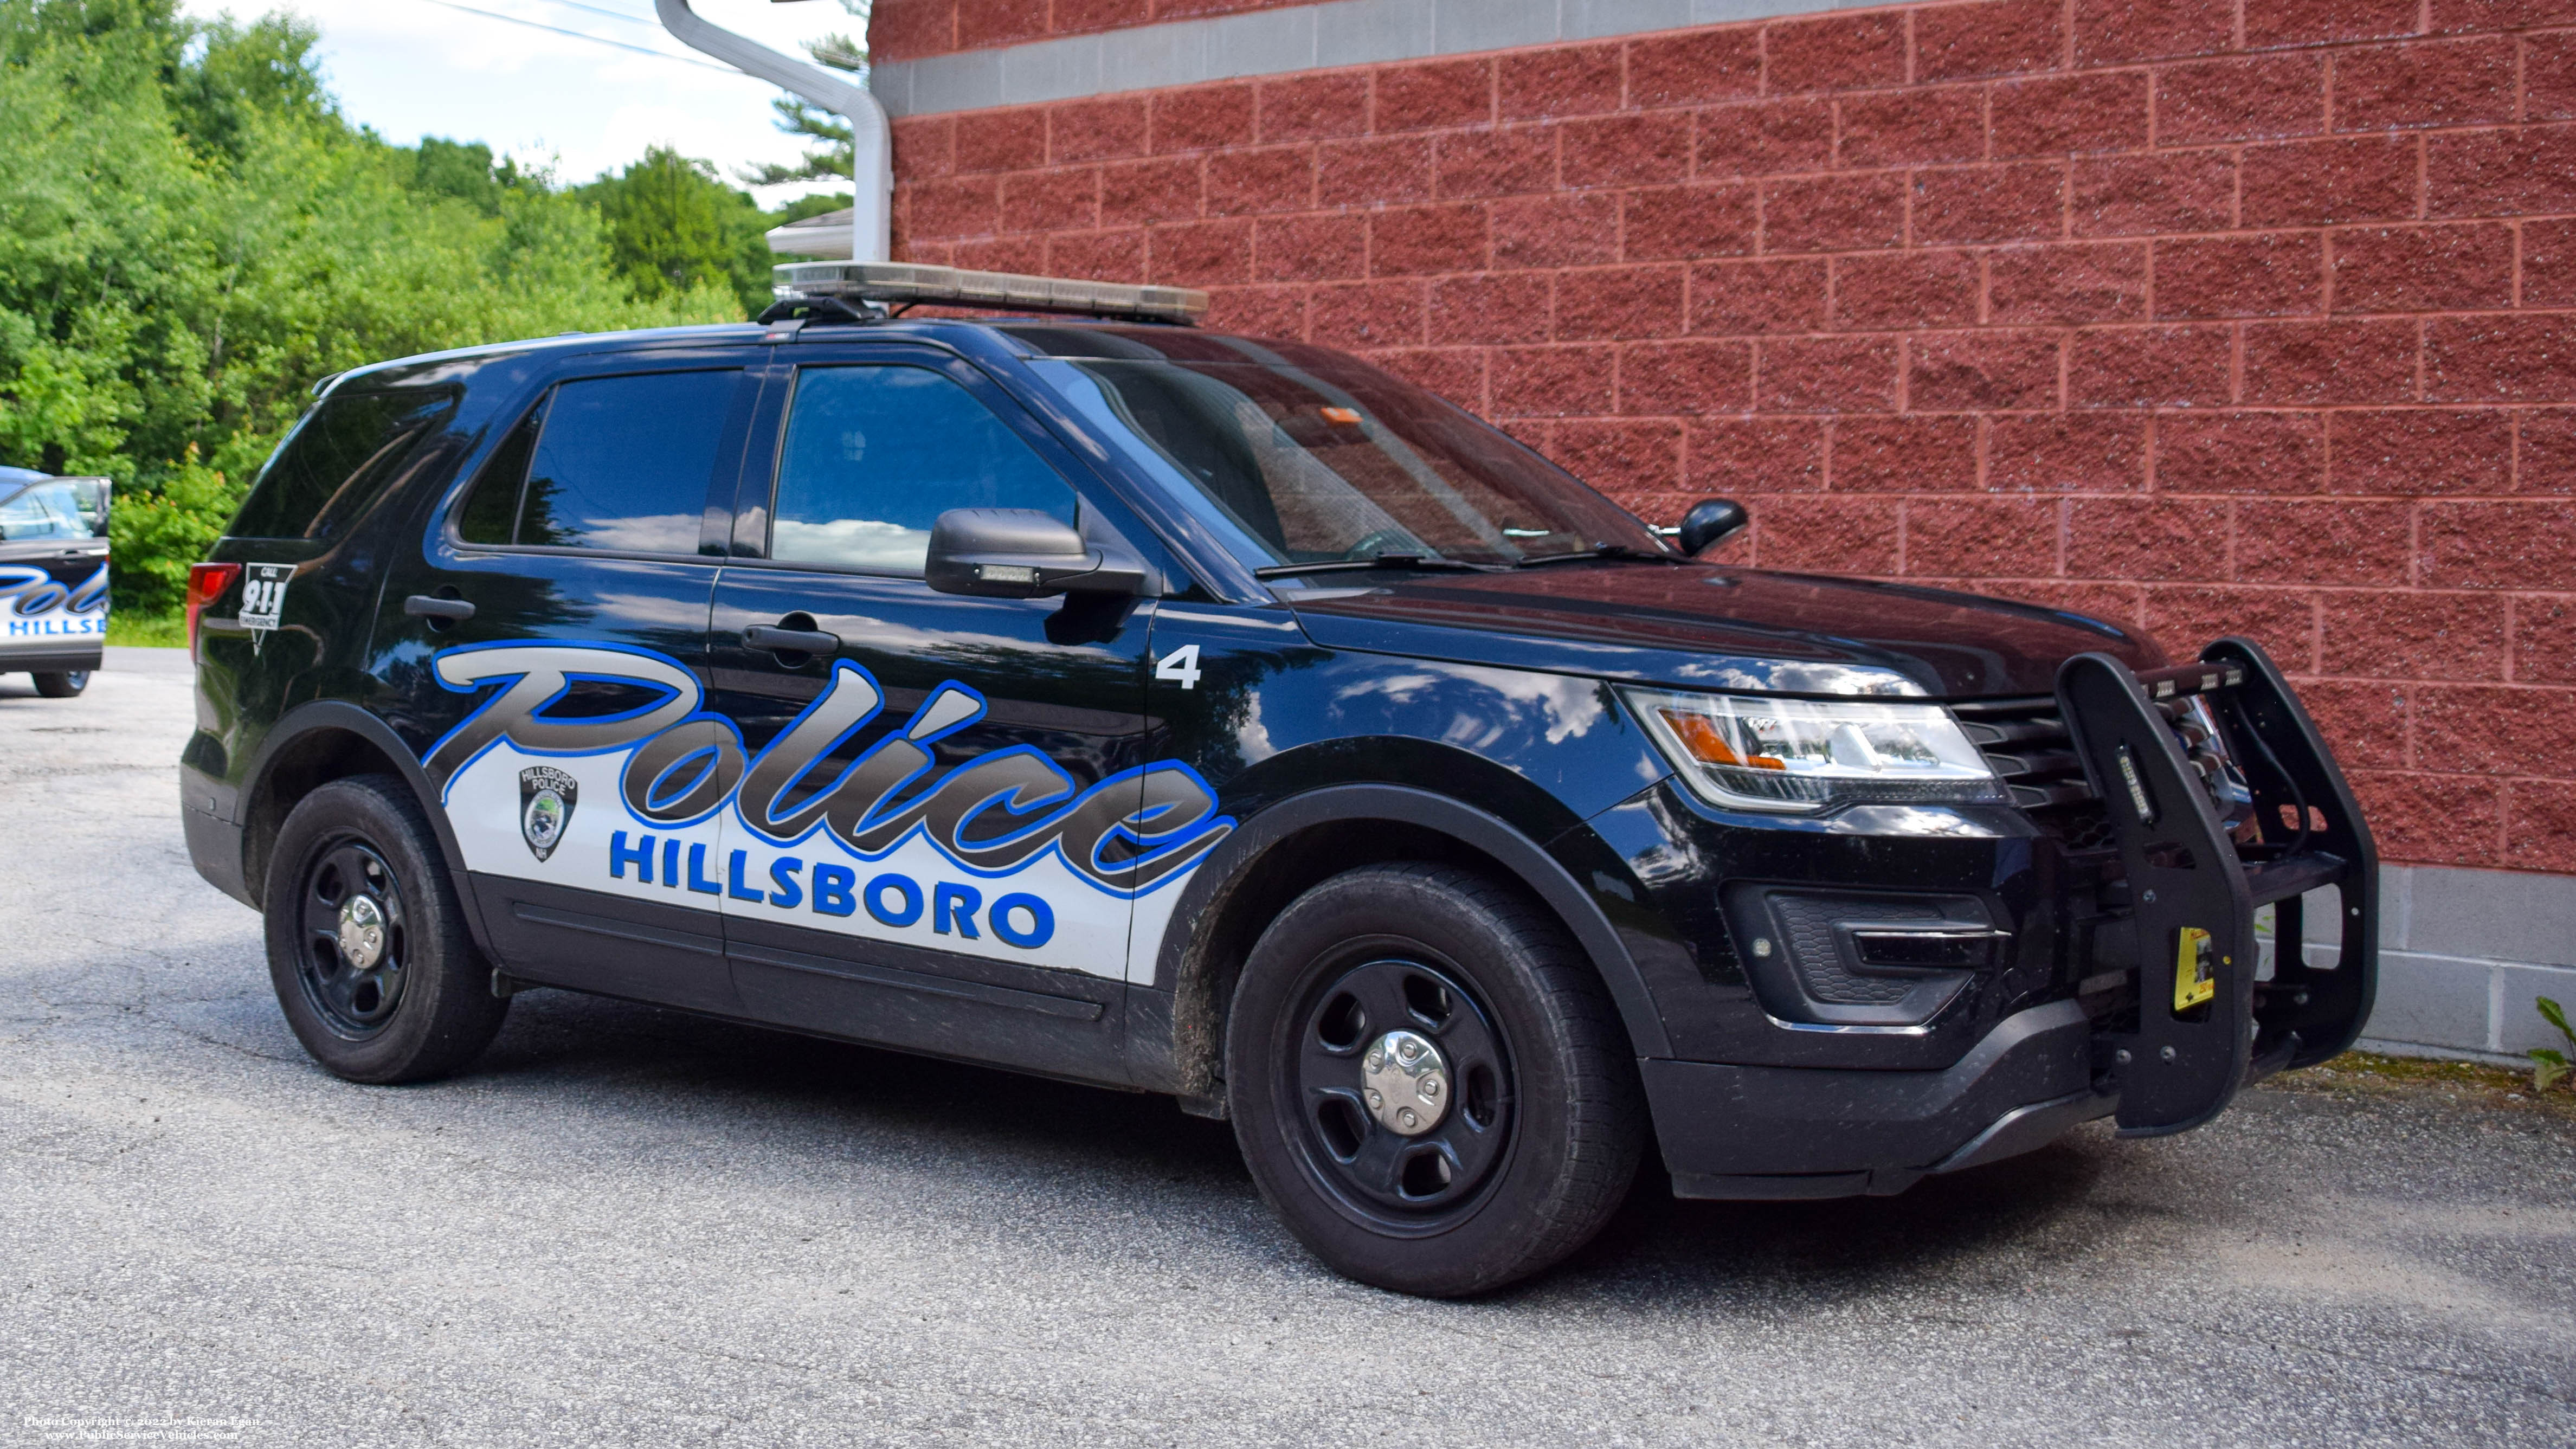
[(872, 141)]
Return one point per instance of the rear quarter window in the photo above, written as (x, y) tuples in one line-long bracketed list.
[(340, 460)]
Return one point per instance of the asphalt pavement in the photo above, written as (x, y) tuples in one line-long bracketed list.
[(629, 1226)]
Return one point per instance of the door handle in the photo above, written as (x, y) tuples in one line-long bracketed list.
[(430, 606), (791, 641)]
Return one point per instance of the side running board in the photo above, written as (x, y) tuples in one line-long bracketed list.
[(2205, 1027)]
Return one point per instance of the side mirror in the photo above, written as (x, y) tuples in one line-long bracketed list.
[(1710, 522), (1021, 553)]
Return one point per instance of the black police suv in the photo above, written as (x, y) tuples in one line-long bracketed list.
[(1099, 697), (53, 578)]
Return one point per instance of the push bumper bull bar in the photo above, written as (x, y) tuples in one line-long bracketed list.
[(2205, 1027), (2181, 925)]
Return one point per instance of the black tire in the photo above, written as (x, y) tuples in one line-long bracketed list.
[(1516, 1172), (62, 686), (419, 1005)]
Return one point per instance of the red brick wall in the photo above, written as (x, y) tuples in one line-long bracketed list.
[(2200, 316)]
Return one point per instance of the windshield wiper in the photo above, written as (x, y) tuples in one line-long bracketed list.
[(1410, 561), (1598, 551)]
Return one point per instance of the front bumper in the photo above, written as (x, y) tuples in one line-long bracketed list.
[(1769, 1132), (2158, 1022)]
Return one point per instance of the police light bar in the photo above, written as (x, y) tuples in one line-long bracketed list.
[(903, 282)]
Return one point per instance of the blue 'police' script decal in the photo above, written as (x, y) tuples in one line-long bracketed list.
[(36, 611), (999, 856)]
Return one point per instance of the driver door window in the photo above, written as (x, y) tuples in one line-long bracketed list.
[(873, 456)]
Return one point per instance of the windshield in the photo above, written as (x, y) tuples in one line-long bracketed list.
[(41, 510), (1340, 463)]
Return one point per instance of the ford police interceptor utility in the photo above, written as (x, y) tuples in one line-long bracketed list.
[(1088, 694), (53, 578)]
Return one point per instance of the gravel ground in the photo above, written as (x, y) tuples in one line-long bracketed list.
[(631, 1226)]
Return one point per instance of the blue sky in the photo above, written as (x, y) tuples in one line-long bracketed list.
[(411, 68)]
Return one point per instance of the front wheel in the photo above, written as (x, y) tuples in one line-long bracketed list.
[(63, 685), (367, 945), (1429, 1082)]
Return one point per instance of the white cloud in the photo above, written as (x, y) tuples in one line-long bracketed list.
[(852, 542), (411, 68)]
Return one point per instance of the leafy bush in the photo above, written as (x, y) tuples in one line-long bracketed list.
[(2548, 1065), (156, 535)]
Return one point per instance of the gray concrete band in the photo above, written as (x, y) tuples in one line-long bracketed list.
[(2463, 955), (1276, 42)]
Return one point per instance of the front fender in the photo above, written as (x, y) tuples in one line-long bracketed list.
[(1192, 972)]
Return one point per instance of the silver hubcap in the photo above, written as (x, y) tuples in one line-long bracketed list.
[(1406, 1083), (362, 931)]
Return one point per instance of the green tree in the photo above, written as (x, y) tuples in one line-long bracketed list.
[(813, 204), (465, 171), (674, 227), (191, 234), (834, 159), (247, 72)]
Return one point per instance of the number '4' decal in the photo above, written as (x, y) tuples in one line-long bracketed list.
[(1181, 664)]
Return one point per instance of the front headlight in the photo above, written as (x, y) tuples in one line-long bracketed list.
[(1745, 752)]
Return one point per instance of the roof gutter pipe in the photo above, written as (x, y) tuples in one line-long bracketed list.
[(872, 194)]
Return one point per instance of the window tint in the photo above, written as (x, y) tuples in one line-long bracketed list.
[(875, 454), (45, 510), (623, 463), (339, 460)]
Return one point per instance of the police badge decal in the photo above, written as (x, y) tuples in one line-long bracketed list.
[(546, 797)]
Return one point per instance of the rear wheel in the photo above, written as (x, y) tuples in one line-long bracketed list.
[(1429, 1082), (367, 946), (63, 685)]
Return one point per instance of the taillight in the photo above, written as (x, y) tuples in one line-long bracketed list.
[(206, 583)]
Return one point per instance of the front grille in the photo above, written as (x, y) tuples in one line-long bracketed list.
[(2027, 744)]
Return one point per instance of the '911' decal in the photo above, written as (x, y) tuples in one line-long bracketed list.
[(1000, 855)]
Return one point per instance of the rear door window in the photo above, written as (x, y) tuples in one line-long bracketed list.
[(620, 464), (340, 460)]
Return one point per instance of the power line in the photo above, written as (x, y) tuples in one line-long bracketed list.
[(584, 35), (611, 14)]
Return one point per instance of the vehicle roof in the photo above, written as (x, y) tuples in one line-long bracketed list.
[(1040, 336), (445, 366)]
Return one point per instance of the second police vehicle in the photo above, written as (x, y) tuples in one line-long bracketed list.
[(1088, 694), (53, 578)]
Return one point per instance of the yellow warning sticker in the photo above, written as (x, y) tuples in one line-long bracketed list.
[(2195, 969)]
